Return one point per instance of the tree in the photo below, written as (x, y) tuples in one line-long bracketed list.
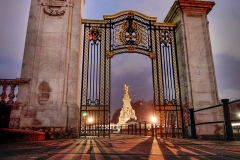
[(115, 116)]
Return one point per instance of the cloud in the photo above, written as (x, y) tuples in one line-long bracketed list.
[(224, 25), (13, 28), (231, 94), (129, 63), (153, 8)]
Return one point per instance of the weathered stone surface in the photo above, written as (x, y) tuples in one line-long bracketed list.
[(52, 56), (196, 69)]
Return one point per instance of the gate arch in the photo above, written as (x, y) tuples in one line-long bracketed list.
[(127, 32)]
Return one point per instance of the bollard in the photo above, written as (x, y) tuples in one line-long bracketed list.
[(193, 127), (140, 129), (121, 130), (228, 125), (135, 128), (132, 129), (128, 129)]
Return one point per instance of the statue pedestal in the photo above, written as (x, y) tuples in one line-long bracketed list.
[(127, 112)]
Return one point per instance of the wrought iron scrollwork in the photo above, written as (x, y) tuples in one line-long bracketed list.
[(128, 32), (165, 37), (169, 102), (95, 102)]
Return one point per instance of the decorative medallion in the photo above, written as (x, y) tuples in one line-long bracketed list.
[(94, 34), (109, 54), (44, 92), (131, 48), (57, 12), (130, 33), (152, 55)]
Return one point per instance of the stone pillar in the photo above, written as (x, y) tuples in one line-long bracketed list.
[(195, 62), (51, 60)]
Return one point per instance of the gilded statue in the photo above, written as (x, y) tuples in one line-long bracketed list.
[(126, 89), (126, 95)]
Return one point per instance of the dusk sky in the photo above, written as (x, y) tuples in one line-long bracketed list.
[(132, 69)]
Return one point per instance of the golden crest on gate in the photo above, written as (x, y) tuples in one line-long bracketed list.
[(130, 33), (94, 34)]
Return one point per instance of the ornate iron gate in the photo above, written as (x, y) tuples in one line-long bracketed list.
[(128, 32)]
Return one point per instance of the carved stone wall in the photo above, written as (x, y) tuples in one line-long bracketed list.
[(52, 61)]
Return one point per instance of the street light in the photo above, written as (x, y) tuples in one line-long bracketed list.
[(84, 114), (90, 119), (153, 119)]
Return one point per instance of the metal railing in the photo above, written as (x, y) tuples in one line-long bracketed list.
[(227, 119)]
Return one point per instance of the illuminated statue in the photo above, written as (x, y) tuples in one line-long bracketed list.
[(127, 111)]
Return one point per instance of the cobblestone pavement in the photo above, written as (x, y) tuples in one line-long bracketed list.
[(120, 147)]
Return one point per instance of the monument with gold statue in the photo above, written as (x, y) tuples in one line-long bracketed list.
[(127, 113)]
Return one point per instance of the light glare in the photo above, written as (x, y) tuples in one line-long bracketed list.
[(153, 119)]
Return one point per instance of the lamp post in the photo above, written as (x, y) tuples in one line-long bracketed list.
[(84, 114), (153, 119)]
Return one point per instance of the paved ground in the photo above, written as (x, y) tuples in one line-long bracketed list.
[(120, 147)]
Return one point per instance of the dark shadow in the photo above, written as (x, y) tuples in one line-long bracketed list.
[(166, 151), (5, 111), (144, 148)]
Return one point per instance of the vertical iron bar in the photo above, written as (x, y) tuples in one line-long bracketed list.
[(152, 130), (170, 73), (132, 129), (90, 83), (94, 53), (140, 129), (173, 125), (145, 128)]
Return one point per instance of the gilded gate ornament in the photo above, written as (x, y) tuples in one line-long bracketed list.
[(94, 34), (109, 54), (152, 55), (165, 36), (130, 33), (131, 48)]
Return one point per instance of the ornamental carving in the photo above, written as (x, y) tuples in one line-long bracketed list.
[(43, 92), (52, 12), (152, 55), (130, 33), (109, 54), (54, 7), (131, 48)]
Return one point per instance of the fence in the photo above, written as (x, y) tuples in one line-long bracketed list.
[(143, 129), (228, 118)]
